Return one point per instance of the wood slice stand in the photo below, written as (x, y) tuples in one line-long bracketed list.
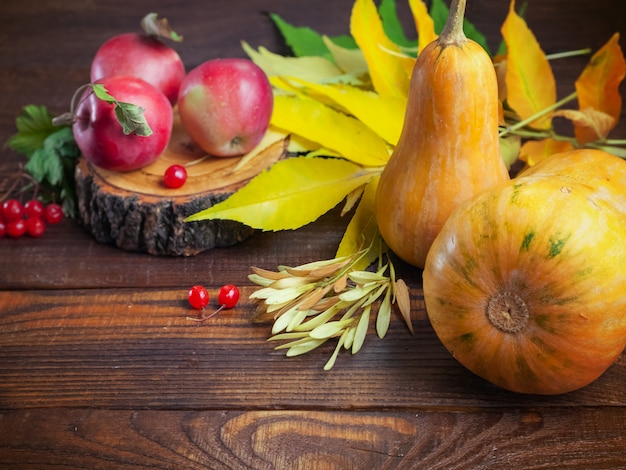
[(135, 211)]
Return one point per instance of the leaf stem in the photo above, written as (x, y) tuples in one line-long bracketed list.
[(563, 55), (519, 125)]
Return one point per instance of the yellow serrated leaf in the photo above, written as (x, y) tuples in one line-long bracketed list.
[(312, 68), (383, 114), (424, 24), (270, 137), (531, 87), (351, 61), (319, 123), (389, 68), (598, 88), (590, 123), (290, 194), (534, 151), (362, 229), (351, 200)]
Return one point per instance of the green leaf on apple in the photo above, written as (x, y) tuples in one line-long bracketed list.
[(130, 116)]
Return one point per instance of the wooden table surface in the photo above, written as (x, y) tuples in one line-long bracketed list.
[(99, 369)]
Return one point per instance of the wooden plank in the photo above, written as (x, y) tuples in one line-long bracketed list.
[(250, 439), (130, 348), (68, 257)]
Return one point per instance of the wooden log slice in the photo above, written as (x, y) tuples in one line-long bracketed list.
[(135, 211)]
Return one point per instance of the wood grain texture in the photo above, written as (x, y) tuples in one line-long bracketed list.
[(99, 369), (267, 440), (108, 348)]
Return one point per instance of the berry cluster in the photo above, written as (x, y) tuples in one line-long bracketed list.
[(198, 298), (17, 219)]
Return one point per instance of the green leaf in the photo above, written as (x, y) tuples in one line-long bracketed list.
[(290, 194), (58, 153), (305, 41), (51, 153), (34, 125), (344, 40), (392, 26), (130, 116)]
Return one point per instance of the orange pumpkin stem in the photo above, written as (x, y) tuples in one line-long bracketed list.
[(452, 32)]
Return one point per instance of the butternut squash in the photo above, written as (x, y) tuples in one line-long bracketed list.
[(449, 148), (525, 284)]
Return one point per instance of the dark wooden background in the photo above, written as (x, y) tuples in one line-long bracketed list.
[(100, 369)]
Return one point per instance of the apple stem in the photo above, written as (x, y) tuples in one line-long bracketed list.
[(67, 118), (157, 27)]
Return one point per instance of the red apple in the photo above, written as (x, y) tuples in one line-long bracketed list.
[(225, 106), (99, 134), (142, 56)]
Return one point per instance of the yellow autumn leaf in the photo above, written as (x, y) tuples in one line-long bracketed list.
[(594, 124), (290, 194), (349, 61), (533, 151), (332, 129), (383, 114), (389, 68), (424, 24), (289, 85), (315, 69), (271, 136), (298, 144), (531, 87), (362, 229), (598, 88)]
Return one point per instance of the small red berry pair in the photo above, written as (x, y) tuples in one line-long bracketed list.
[(198, 298)]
